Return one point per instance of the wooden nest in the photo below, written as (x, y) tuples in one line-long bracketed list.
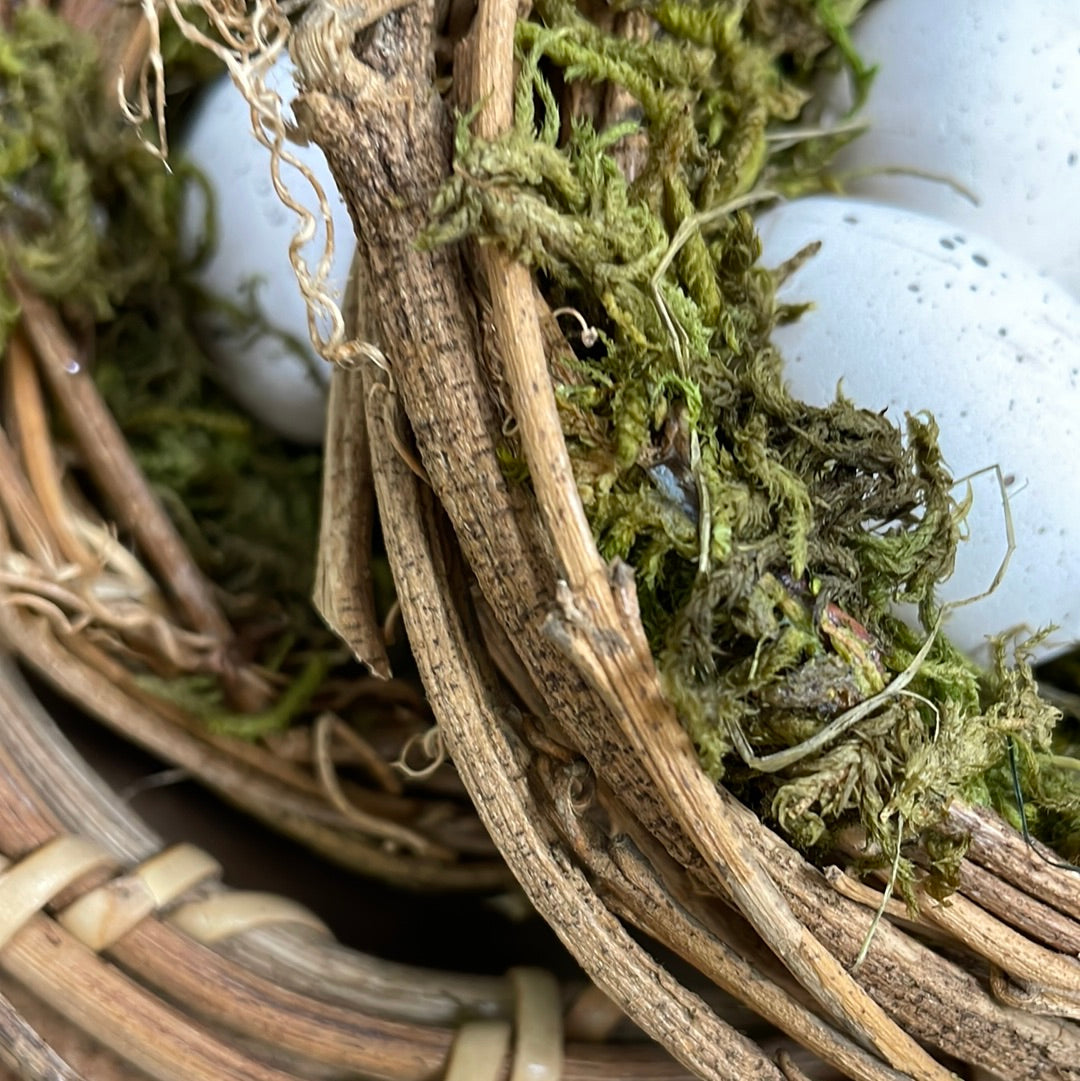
[(536, 670)]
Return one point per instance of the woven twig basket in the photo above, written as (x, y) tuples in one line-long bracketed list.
[(546, 698)]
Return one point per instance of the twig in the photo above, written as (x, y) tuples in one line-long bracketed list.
[(608, 643), (109, 458), (39, 459), (344, 591), (995, 845)]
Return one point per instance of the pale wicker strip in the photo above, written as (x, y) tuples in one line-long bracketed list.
[(479, 1051), (102, 916), (480, 1048), (538, 1048), (106, 914), (216, 918), (31, 883)]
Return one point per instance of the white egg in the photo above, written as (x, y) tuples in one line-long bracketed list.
[(987, 93), (911, 314), (273, 372)]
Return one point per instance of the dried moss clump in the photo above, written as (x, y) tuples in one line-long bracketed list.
[(771, 540)]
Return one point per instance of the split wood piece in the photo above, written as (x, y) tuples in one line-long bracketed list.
[(344, 592), (936, 1000), (1028, 865), (137, 508), (74, 799), (494, 765), (631, 885), (602, 627)]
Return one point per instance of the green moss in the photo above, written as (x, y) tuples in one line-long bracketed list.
[(771, 539), (89, 219)]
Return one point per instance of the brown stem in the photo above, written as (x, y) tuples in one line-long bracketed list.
[(1030, 866), (26, 1053), (28, 523), (39, 458), (494, 766), (620, 663), (934, 998), (136, 507)]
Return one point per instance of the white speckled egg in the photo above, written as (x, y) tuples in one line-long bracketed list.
[(986, 92), (912, 314), (275, 374)]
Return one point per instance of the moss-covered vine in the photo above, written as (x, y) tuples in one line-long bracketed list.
[(771, 540)]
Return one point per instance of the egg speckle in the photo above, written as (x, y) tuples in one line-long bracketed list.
[(993, 354), (987, 94), (268, 365)]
